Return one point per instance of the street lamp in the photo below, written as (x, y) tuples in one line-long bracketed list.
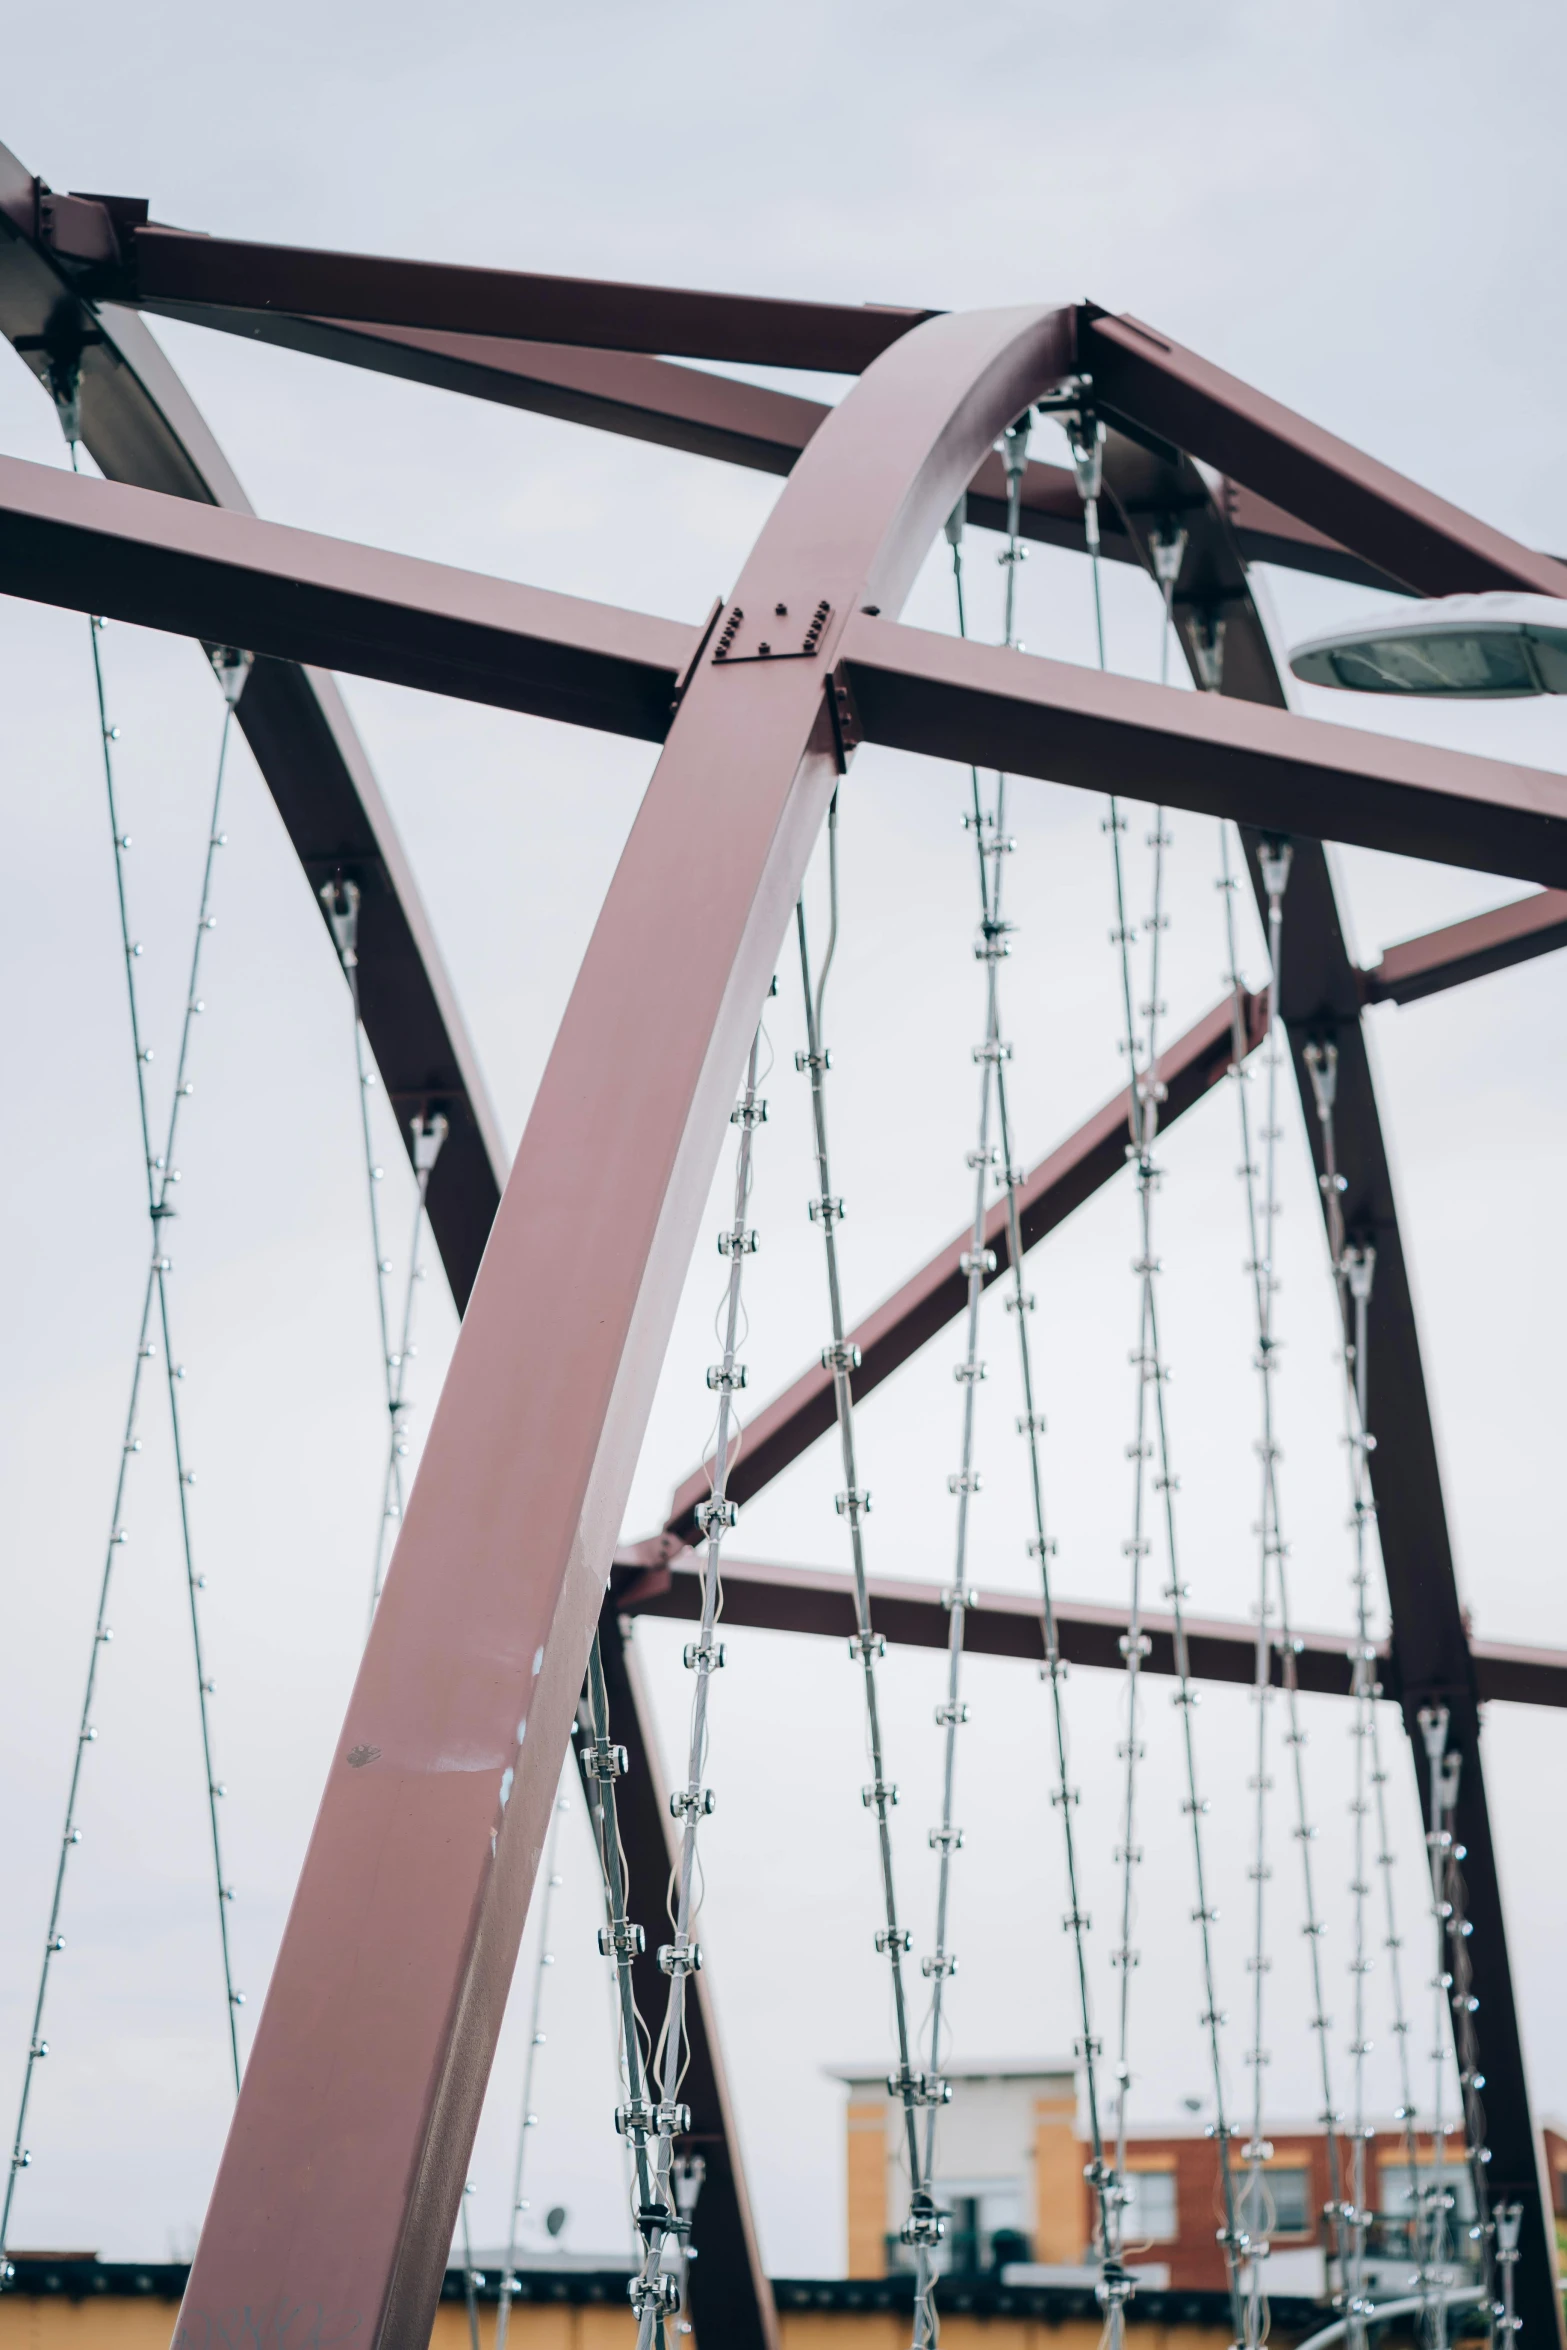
[(1491, 647)]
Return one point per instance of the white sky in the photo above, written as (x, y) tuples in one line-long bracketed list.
[(1352, 210)]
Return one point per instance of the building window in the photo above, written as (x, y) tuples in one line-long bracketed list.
[(983, 2230), (1290, 2191), (1151, 2215)]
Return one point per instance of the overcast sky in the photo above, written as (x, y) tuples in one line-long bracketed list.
[(1355, 209)]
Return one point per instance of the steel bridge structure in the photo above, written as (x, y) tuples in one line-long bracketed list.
[(335, 2201)]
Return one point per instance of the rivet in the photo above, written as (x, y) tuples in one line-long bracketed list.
[(871, 611), (781, 610), (764, 649)]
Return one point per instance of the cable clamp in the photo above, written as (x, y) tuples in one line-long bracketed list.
[(993, 946), (964, 1481), (841, 1356), (969, 1374), (959, 1595), (854, 1504), (691, 1803), (867, 1647), (621, 1940), (812, 1061), (825, 1211), (992, 1051), (660, 2293), (673, 1960), (726, 1379), (602, 1759), (976, 1260), (1042, 1546), (703, 1657), (1135, 1644), (939, 1968), (893, 1938), (1076, 1921), (945, 1839), (950, 1714), (976, 1159), (925, 2225), (1031, 1423), (737, 1244), (1022, 1302), (749, 1113), (879, 1792), (716, 1513)]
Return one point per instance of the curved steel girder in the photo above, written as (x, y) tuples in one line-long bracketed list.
[(344, 2165), (142, 427)]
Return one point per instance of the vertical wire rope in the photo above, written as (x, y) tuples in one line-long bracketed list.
[(603, 1762), (528, 2119), (160, 1175), (1275, 859), (1353, 1270), (690, 1804), (914, 2090), (1085, 436)]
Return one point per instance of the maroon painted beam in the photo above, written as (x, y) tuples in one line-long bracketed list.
[(165, 563), (174, 271), (916, 691), (1434, 548), (662, 1578), (938, 1292), (1467, 950)]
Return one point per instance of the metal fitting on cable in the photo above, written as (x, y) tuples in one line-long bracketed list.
[(842, 1356), (703, 1657), (940, 1967), (879, 1792), (854, 1503), (825, 1211), (716, 1513), (602, 1759), (726, 1378), (1274, 857), (621, 1939), (340, 897), (737, 1244), (675, 1958), (925, 2225), (691, 1803), (428, 1136), (867, 1647), (893, 1938), (968, 1374), (807, 1062), (748, 1113)]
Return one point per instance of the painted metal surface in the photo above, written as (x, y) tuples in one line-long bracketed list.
[(938, 1292), (660, 1578), (344, 2165), (1461, 951)]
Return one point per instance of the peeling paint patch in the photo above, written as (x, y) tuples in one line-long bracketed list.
[(507, 1776), (358, 1756)]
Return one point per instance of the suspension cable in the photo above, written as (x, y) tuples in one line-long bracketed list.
[(602, 1763), (923, 2225), (528, 2120), (1353, 1270), (1085, 438), (232, 669), (681, 1957), (341, 898), (1274, 1625)]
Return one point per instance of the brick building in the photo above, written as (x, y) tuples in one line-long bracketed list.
[(1010, 2163)]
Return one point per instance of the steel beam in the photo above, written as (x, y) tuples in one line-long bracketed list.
[(164, 563), (1468, 950), (663, 1578), (954, 699), (731, 2298), (938, 1292), (344, 2166), (176, 273), (1143, 378)]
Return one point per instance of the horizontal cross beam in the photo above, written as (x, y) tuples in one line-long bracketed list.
[(165, 563), (660, 1578)]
